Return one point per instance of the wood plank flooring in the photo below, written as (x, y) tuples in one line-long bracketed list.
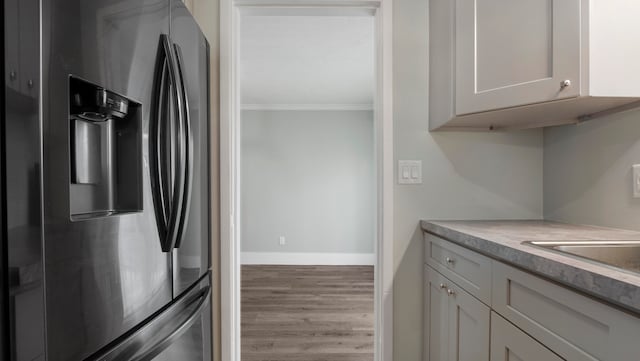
[(307, 313)]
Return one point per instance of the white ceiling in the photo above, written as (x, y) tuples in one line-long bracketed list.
[(307, 61)]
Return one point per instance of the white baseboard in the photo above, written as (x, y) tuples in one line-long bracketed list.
[(307, 107), (308, 259)]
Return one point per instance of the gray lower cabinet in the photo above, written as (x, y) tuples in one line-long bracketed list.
[(464, 267), (526, 317), (509, 343), (458, 323), (437, 315), (574, 326)]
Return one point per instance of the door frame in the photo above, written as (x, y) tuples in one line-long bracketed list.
[(230, 11)]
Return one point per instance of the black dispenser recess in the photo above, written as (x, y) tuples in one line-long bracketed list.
[(105, 152)]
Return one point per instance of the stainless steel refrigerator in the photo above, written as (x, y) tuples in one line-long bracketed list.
[(105, 182)]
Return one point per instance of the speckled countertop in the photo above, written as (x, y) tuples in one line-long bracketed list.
[(502, 240)]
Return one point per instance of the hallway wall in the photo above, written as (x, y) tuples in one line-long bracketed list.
[(307, 176)]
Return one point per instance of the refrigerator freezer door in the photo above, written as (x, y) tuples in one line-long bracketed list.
[(192, 254), (195, 343), (104, 275), (181, 332)]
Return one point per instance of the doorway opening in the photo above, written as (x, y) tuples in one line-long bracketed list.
[(269, 186), (307, 186)]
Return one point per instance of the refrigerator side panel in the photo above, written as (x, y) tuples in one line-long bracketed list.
[(193, 257), (22, 224)]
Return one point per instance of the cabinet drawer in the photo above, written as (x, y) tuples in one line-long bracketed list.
[(508, 343), (574, 326), (468, 269)]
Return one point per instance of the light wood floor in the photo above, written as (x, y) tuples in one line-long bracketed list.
[(307, 313)]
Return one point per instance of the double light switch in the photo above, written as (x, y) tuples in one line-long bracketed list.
[(410, 172)]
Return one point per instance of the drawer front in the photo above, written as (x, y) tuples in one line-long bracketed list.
[(508, 343), (469, 269), (574, 326)]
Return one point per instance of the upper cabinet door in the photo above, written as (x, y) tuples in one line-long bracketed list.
[(512, 53)]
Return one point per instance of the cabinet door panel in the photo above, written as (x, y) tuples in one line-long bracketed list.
[(574, 326), (436, 316), (508, 343), (512, 53), (468, 327)]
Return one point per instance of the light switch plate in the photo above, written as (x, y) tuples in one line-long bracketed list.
[(636, 180), (409, 172)]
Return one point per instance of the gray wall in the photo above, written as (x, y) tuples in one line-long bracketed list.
[(587, 172), (308, 176), (466, 175)]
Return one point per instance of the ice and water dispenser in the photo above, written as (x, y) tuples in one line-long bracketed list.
[(105, 151)]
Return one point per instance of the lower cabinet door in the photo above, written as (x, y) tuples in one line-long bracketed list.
[(509, 343), (436, 310), (469, 325), (457, 322)]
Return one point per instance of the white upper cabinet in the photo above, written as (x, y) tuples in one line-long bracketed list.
[(530, 63), (513, 53)]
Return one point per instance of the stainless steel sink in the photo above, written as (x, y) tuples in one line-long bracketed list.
[(621, 254)]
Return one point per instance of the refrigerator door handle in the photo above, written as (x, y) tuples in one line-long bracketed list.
[(188, 155), (168, 163), (159, 179)]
